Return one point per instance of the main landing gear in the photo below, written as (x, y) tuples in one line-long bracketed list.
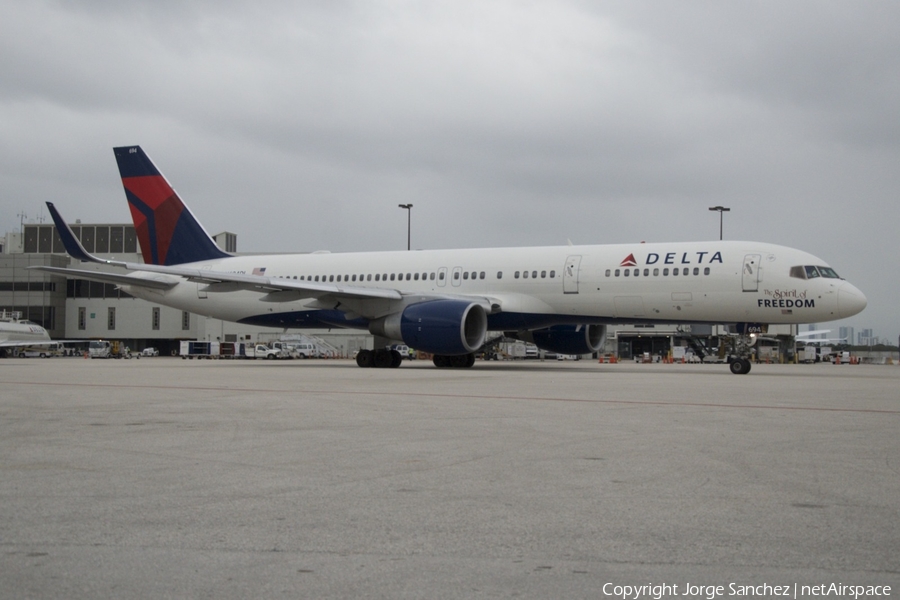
[(383, 359), (462, 361), (380, 359)]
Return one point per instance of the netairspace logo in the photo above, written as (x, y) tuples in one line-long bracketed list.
[(650, 591)]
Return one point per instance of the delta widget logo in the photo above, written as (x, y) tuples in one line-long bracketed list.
[(629, 261)]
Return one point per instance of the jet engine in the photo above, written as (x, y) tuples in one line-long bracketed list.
[(569, 339), (445, 327)]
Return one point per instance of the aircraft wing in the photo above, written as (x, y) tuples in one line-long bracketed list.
[(353, 300)]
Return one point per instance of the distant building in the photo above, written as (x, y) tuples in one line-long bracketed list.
[(847, 333)]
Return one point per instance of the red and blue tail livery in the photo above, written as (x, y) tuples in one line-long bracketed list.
[(167, 231)]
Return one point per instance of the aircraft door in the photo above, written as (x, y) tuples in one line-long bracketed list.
[(750, 272), (442, 277), (456, 277), (570, 275)]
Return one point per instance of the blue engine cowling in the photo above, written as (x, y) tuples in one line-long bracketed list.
[(445, 327), (570, 339)]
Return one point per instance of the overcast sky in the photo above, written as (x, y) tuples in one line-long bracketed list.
[(301, 126)]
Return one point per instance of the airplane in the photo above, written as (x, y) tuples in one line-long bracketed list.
[(16, 332), (445, 302)]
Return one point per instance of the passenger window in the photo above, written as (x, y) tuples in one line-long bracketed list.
[(534, 274), (416, 277), (706, 271), (409, 276), (392, 276), (696, 270), (481, 275), (456, 275), (646, 272), (685, 272), (441, 276), (543, 274), (674, 272), (552, 274), (331, 278), (608, 272), (637, 272), (524, 274), (656, 272), (516, 275), (466, 275), (627, 272), (617, 272), (431, 277), (499, 274)]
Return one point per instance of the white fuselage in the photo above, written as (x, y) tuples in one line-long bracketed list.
[(712, 282), (15, 332)]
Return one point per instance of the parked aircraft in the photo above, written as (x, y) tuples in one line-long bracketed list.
[(16, 332), (446, 302)]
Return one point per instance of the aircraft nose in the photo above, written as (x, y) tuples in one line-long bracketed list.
[(851, 301)]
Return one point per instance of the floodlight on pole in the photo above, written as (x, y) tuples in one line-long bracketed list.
[(720, 210), (408, 208)]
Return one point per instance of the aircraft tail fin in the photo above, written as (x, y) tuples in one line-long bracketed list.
[(168, 232)]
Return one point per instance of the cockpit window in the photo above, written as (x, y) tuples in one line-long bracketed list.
[(811, 272)]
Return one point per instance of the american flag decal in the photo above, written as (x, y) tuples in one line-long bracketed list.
[(259, 271)]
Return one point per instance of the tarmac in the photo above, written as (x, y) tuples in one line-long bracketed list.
[(167, 478)]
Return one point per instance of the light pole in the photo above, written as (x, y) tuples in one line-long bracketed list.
[(408, 208), (720, 210)]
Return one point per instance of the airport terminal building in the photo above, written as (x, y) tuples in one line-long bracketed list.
[(82, 309)]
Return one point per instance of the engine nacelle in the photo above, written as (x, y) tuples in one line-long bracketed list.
[(445, 327), (570, 339)]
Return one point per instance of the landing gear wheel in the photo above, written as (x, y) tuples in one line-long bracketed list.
[(365, 359), (441, 361), (396, 359), (740, 366), (383, 359), (461, 361)]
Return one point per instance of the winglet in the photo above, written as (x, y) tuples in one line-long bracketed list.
[(70, 242)]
